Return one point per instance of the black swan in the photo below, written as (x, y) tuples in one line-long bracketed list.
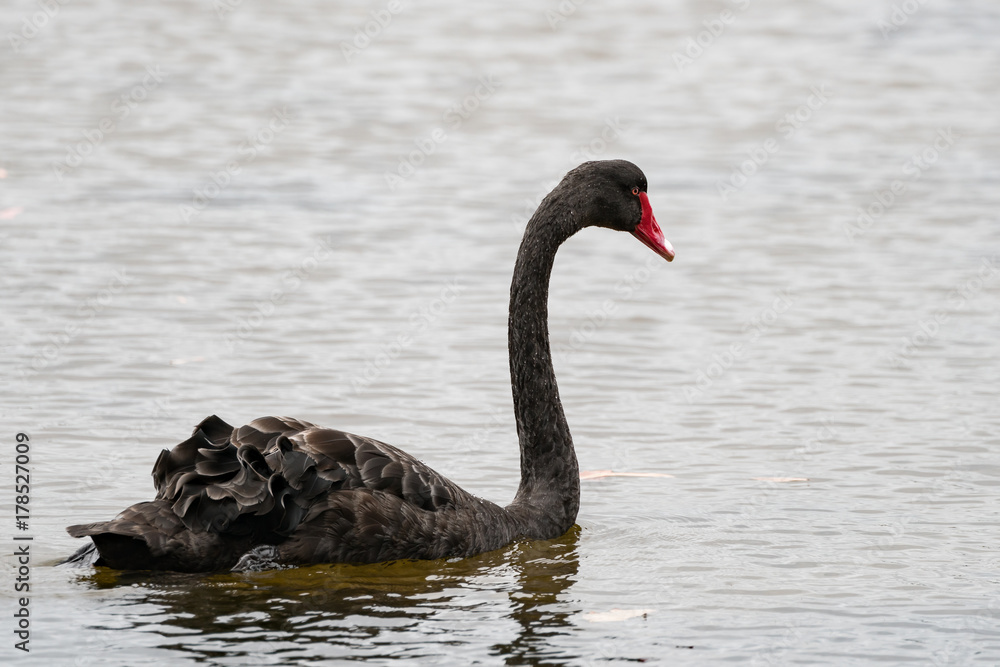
[(283, 492)]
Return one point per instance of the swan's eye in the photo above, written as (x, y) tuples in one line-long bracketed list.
[(635, 191)]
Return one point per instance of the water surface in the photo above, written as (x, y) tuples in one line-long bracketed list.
[(275, 227)]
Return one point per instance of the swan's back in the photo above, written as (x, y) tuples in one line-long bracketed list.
[(318, 495)]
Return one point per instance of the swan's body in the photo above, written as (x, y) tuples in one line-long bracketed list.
[(290, 493)]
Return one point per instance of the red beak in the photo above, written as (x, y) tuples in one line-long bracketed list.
[(650, 233)]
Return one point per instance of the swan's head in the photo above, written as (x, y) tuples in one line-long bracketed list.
[(613, 194)]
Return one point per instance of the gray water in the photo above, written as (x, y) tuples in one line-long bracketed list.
[(217, 208)]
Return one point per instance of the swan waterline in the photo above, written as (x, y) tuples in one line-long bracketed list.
[(283, 492)]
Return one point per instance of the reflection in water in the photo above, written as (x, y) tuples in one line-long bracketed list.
[(545, 570), (397, 610)]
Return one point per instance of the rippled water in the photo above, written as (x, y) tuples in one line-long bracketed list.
[(196, 218)]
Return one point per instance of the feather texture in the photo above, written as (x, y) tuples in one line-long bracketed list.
[(284, 491), (321, 495)]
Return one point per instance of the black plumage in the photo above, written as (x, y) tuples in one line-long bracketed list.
[(302, 494)]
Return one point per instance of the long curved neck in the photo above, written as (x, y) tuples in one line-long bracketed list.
[(548, 498)]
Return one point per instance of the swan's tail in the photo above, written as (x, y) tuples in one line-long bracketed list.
[(108, 549), (85, 556), (123, 543), (150, 536)]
